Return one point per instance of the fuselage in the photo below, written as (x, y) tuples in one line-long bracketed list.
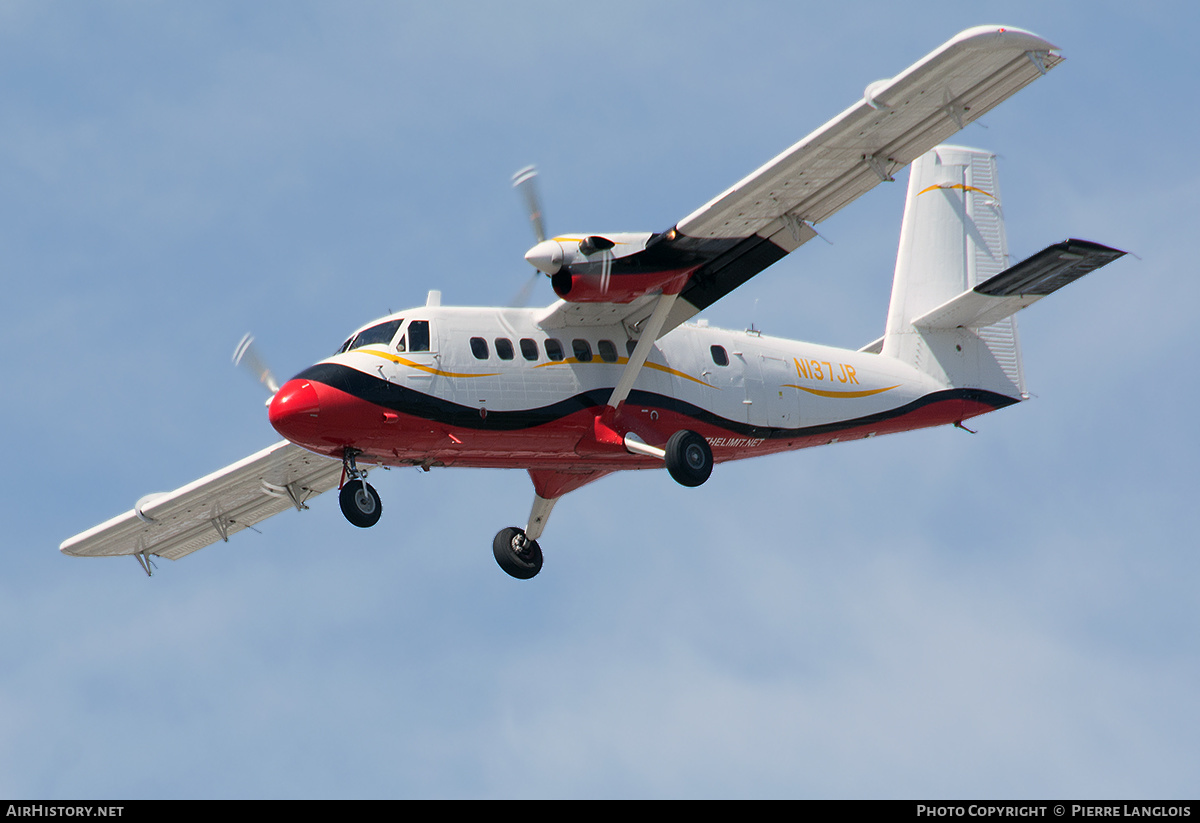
[(487, 387)]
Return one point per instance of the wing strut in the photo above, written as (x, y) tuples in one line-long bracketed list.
[(143, 559), (642, 350)]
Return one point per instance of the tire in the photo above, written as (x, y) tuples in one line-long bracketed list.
[(360, 503), (689, 458), (519, 564)]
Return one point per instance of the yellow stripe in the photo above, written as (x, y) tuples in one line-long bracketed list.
[(570, 360), (956, 186), (621, 361), (679, 374), (406, 362), (840, 395)]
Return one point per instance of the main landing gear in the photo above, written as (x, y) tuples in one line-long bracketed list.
[(516, 553), (517, 550), (688, 458), (358, 498)]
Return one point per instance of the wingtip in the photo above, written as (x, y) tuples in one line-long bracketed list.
[(1008, 35)]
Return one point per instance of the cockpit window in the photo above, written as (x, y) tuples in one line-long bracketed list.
[(381, 333), (418, 335)]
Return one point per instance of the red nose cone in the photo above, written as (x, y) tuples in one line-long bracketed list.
[(294, 410)]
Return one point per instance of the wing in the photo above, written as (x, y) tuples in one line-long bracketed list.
[(772, 211), (212, 508)]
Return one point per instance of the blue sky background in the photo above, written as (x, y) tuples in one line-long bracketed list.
[(1010, 614)]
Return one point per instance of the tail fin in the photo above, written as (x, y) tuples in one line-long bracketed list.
[(952, 240)]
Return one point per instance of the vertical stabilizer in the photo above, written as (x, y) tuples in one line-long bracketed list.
[(951, 240)]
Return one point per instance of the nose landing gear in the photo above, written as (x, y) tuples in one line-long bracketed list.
[(359, 501)]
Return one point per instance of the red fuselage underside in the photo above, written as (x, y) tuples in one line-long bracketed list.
[(328, 420)]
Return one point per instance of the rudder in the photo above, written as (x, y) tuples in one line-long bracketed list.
[(951, 240)]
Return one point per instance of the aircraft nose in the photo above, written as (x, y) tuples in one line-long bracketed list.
[(294, 409)]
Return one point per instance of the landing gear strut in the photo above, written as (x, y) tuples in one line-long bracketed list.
[(359, 500)]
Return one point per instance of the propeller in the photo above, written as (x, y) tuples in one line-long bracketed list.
[(525, 182), (547, 256), (246, 355)]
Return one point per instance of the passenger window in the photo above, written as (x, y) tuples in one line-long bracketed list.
[(719, 356), (504, 348), (418, 335), (608, 352), (554, 349), (528, 349), (630, 345), (582, 350), (479, 348)]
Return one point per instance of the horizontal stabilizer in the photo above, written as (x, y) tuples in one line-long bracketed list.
[(1019, 286)]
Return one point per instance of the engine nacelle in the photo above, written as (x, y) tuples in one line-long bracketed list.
[(614, 286), (604, 268), (568, 250)]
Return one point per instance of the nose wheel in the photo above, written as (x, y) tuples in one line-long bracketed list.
[(359, 501)]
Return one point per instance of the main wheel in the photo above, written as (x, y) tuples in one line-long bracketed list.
[(689, 458), (360, 503), (517, 555)]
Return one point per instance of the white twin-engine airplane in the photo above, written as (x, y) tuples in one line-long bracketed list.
[(613, 377)]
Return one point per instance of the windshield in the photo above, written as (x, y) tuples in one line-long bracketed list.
[(381, 333)]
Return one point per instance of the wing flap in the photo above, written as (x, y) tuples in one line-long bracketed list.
[(214, 507)]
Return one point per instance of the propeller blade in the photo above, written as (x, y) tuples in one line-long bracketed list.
[(521, 299), (525, 181), (246, 355)]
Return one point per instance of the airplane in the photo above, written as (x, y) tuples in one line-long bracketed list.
[(618, 374)]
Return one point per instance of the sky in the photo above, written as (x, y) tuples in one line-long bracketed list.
[(1010, 614)]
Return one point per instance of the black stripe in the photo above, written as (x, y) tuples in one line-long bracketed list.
[(417, 404), (660, 254), (721, 264), (726, 272)]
